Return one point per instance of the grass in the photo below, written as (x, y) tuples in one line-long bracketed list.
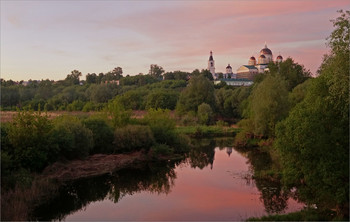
[(207, 131), (303, 215)]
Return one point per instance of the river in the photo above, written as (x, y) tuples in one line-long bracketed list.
[(214, 183)]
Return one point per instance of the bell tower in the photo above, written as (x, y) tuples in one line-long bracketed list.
[(211, 64)]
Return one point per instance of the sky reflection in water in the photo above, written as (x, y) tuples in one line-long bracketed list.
[(221, 191)]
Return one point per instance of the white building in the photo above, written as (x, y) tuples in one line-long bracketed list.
[(253, 68), (211, 64)]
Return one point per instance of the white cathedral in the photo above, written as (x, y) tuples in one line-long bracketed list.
[(246, 72)]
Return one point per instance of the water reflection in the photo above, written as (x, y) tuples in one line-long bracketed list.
[(208, 188), (153, 177), (271, 189)]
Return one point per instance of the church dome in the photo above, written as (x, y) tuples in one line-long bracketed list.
[(265, 51), (252, 58), (279, 57), (262, 56)]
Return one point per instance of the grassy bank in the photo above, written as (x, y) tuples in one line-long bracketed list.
[(303, 215), (207, 131)]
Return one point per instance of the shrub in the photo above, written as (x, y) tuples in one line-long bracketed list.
[(120, 116), (205, 114), (102, 134), (30, 136), (162, 125), (89, 106), (72, 137), (161, 149), (221, 123), (76, 105), (189, 119), (133, 138)]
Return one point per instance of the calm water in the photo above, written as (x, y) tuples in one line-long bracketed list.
[(213, 183)]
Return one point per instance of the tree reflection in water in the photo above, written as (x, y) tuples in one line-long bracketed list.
[(269, 184), (159, 177), (153, 177)]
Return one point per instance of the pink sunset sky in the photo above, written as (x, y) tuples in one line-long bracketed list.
[(49, 39)]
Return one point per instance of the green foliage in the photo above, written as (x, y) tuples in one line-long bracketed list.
[(156, 71), (100, 93), (162, 149), (6, 164), (176, 75), (133, 99), (162, 125), (199, 90), (314, 140), (139, 80), (299, 93), (189, 119), (73, 78), (162, 99), (205, 114), (76, 105), (133, 138), (72, 137), (339, 40), (30, 136), (268, 105), (102, 134), (89, 106), (120, 116), (9, 96), (292, 72)]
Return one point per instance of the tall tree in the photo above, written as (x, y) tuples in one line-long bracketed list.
[(156, 71), (199, 90), (73, 78), (314, 140)]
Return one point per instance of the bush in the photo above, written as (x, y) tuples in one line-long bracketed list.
[(72, 137), (102, 134), (89, 106), (161, 149), (162, 126), (189, 119), (120, 116), (30, 136), (205, 114), (133, 138), (76, 105), (221, 123)]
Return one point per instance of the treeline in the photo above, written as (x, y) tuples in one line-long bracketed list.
[(73, 94), (307, 121)]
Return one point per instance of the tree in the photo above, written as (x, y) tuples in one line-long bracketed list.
[(268, 104), (206, 73), (30, 136), (91, 78), (163, 99), (205, 114), (156, 71), (314, 140), (199, 90), (72, 137), (292, 72), (339, 41), (73, 78)]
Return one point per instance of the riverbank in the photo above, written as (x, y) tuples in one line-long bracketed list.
[(201, 131), (18, 203), (92, 166)]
